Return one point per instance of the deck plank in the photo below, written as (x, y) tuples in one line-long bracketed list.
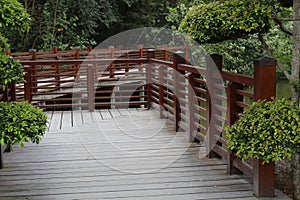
[(132, 156), (66, 120), (55, 121), (105, 113), (77, 118)]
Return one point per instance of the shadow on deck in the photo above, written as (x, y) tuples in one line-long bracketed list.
[(116, 154)]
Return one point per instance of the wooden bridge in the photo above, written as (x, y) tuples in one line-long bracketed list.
[(118, 149)]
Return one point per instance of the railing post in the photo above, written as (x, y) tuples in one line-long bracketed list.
[(178, 58), (165, 54), (192, 102), (150, 54), (264, 89), (161, 90), (232, 111), (76, 56), (112, 65), (13, 91), (186, 50), (127, 64), (27, 84), (213, 63), (141, 55), (90, 84), (57, 74), (33, 74), (5, 94)]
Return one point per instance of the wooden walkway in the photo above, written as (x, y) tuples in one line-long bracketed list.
[(116, 154)]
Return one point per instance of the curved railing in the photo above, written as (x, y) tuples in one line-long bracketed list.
[(198, 100)]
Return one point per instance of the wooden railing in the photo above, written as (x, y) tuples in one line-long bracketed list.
[(199, 100)]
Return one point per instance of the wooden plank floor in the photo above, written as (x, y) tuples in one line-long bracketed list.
[(116, 154)]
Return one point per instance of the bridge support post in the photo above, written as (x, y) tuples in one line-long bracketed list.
[(192, 102), (91, 92), (178, 58), (264, 89), (27, 84), (150, 54), (32, 53)]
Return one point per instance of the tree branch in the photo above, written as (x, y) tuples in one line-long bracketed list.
[(269, 52), (281, 26), (288, 19)]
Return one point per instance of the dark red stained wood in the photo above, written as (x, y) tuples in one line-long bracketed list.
[(192, 101), (150, 54), (232, 110), (264, 89), (161, 90), (265, 78), (85, 61), (91, 90), (27, 84), (178, 58), (238, 78), (112, 65), (263, 178)]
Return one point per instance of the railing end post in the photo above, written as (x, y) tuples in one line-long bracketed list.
[(263, 178), (264, 78)]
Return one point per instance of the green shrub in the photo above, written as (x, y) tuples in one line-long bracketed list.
[(10, 70), (222, 20), (269, 131), (21, 122)]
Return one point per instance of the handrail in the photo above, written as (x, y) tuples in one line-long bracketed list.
[(83, 61)]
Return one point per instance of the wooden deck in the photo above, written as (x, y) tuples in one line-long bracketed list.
[(116, 154)]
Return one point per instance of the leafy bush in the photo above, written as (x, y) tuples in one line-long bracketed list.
[(221, 20), (21, 122), (267, 130), (10, 70)]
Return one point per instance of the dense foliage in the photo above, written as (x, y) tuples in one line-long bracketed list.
[(238, 54), (10, 70), (223, 20), (267, 130), (14, 20), (21, 122), (66, 24)]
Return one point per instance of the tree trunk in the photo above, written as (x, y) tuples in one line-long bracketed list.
[(295, 164), (294, 79)]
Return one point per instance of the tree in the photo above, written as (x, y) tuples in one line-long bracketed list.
[(66, 24), (238, 54), (14, 20), (231, 19), (223, 20)]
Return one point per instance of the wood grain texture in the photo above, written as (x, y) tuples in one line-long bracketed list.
[(116, 154)]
